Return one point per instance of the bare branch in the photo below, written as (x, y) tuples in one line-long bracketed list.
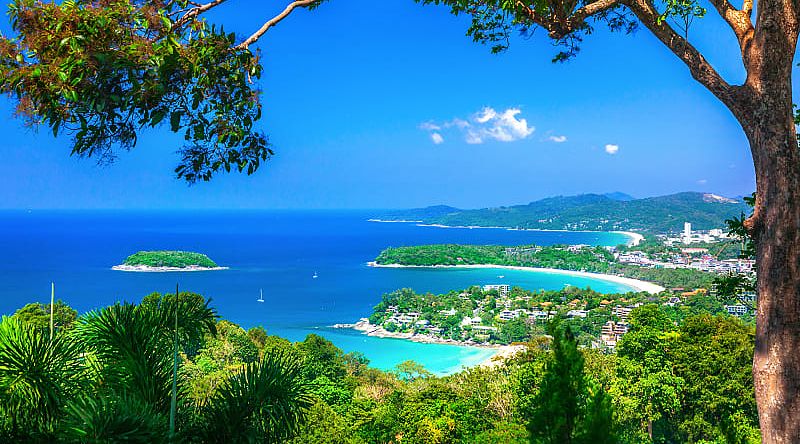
[(274, 21), (196, 11), (747, 7), (701, 70), (738, 20), (531, 15), (590, 9)]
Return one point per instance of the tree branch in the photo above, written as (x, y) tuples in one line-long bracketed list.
[(196, 11), (700, 69), (274, 21), (738, 20), (561, 26)]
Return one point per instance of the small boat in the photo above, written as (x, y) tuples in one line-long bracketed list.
[(261, 297), (501, 276), (315, 275)]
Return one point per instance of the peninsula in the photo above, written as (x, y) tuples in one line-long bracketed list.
[(165, 261), (597, 262)]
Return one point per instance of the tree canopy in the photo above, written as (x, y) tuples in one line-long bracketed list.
[(103, 71)]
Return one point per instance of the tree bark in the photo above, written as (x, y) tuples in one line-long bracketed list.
[(764, 108), (776, 365)]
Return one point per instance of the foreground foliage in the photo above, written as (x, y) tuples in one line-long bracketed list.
[(107, 379), (102, 72)]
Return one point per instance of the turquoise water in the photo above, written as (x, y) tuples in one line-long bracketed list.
[(276, 251)]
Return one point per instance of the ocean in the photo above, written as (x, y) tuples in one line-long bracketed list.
[(277, 251)]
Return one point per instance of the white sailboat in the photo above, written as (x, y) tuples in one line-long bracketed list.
[(315, 275), (261, 295)]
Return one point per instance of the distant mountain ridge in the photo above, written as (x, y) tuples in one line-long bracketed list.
[(585, 212), (617, 195)]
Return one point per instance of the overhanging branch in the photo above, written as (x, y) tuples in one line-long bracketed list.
[(274, 21), (701, 70), (193, 13)]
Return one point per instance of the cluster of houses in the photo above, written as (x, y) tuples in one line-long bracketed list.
[(695, 258), (611, 331), (689, 236)]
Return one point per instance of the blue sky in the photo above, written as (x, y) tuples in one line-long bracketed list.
[(349, 90)]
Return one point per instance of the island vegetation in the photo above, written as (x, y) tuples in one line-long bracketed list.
[(169, 259), (105, 376)]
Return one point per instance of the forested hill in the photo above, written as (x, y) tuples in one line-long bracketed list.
[(591, 212)]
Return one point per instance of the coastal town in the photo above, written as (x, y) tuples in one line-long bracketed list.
[(498, 314), (690, 250)]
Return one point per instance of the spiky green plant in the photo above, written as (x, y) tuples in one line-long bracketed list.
[(196, 317), (110, 419), (37, 375), (133, 351), (264, 402)]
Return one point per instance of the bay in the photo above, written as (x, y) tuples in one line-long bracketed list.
[(277, 251)]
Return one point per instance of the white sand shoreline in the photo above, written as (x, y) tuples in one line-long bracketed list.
[(502, 352), (634, 238), (636, 284), (148, 269)]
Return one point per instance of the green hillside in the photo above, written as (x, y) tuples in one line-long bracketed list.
[(592, 212)]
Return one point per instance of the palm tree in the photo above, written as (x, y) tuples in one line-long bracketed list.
[(109, 380), (38, 374), (110, 418), (133, 344), (265, 402), (132, 351)]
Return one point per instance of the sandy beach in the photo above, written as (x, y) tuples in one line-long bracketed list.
[(635, 238), (636, 284), (363, 325), (502, 352), (147, 269)]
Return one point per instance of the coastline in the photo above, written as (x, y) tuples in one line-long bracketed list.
[(634, 238), (501, 352), (636, 284), (149, 269)]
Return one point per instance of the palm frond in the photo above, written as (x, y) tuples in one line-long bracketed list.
[(110, 419), (265, 402), (133, 350), (37, 375), (196, 317)]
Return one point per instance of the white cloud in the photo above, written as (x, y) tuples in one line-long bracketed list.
[(612, 149), (557, 139), (487, 124), (473, 137), (702, 181), (485, 115), (437, 138), (429, 126)]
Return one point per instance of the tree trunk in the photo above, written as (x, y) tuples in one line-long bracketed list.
[(766, 115), (776, 365), (763, 105)]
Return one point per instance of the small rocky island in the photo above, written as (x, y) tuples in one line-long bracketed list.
[(163, 261)]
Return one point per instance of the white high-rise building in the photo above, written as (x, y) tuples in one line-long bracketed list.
[(687, 229)]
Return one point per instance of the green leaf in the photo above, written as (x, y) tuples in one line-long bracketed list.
[(175, 121)]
